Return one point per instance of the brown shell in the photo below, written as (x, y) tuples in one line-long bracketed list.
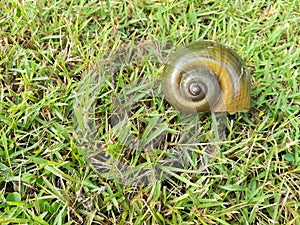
[(218, 69)]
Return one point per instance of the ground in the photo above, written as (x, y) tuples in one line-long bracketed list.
[(50, 54)]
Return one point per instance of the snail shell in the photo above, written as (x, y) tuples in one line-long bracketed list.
[(206, 76)]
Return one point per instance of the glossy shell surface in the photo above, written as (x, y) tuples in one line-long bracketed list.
[(206, 76)]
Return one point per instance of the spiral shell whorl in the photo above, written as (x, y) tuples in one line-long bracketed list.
[(206, 76)]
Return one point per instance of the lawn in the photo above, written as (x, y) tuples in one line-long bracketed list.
[(80, 80)]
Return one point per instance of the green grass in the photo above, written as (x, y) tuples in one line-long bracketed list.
[(48, 48)]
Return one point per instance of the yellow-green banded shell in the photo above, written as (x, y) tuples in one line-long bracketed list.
[(206, 76)]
